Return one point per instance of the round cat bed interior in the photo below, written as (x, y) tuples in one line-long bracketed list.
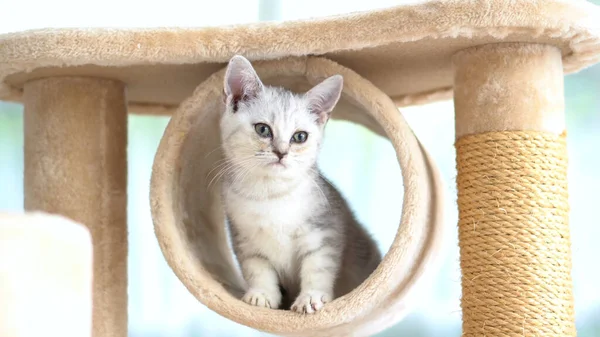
[(190, 227)]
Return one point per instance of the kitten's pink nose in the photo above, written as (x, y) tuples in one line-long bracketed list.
[(280, 155)]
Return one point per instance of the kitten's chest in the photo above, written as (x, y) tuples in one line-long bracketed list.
[(271, 228), (283, 215)]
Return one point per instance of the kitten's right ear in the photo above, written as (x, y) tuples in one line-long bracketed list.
[(241, 81)]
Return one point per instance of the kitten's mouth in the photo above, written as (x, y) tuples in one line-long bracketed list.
[(278, 164)]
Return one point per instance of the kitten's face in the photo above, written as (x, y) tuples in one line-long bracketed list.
[(271, 130)]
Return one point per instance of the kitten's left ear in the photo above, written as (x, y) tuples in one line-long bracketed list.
[(323, 97)]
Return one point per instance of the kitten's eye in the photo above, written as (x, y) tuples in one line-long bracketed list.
[(263, 130), (299, 137)]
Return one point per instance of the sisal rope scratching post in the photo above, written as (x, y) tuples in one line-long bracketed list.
[(512, 192), (76, 165)]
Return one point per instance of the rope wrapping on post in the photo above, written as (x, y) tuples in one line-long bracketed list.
[(515, 250)]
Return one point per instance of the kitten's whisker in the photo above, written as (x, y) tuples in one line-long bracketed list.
[(220, 173), (225, 162), (215, 178), (232, 167), (215, 149), (227, 168), (259, 161), (221, 146), (245, 173), (231, 160), (237, 172)]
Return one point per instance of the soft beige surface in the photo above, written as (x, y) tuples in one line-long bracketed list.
[(45, 276), (405, 51), (509, 87), (76, 165), (189, 223)]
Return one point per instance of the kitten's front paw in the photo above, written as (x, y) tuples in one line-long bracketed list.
[(262, 298), (309, 302)]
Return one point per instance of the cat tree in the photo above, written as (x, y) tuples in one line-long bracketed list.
[(502, 61)]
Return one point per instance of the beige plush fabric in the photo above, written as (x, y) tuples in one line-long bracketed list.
[(45, 276), (405, 51), (489, 95), (76, 165), (190, 228)]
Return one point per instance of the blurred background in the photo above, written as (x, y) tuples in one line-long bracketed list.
[(159, 305)]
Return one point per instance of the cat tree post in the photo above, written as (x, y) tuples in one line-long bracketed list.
[(514, 237), (76, 166)]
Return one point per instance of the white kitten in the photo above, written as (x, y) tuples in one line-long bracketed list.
[(292, 232)]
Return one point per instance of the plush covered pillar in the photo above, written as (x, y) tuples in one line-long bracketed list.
[(76, 165), (515, 252)]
